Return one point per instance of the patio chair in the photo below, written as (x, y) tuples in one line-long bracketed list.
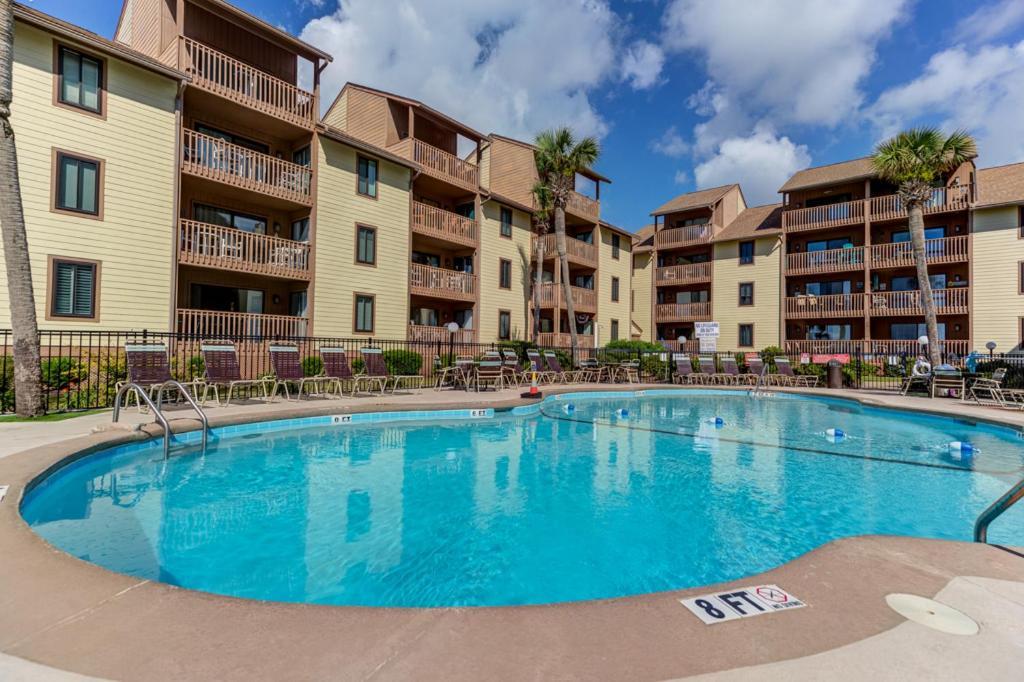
[(994, 381), (223, 371), (514, 374), (450, 375), (490, 372), (338, 372), (758, 370), (993, 395), (373, 360), (628, 371), (684, 371), (920, 375), (730, 368), (710, 371), (947, 383), (537, 366), (591, 370), (791, 378), (149, 367), (287, 364), (571, 376)]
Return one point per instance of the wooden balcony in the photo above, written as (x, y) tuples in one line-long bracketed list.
[(821, 217), (682, 312), (690, 346), (438, 163), (215, 159), (239, 82), (552, 295), (832, 260), (583, 207), (834, 305), (425, 280), (688, 235), (679, 275), (936, 251), (564, 340), (825, 346), (438, 223), (214, 324), (887, 207), (225, 248), (577, 251), (873, 346), (944, 200), (422, 333), (903, 347), (898, 303)]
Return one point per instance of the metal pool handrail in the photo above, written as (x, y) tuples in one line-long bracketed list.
[(191, 401), (141, 394), (1007, 500)]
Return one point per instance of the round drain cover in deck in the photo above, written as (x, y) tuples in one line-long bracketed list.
[(932, 614)]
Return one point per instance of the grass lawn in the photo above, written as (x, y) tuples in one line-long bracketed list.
[(52, 417)]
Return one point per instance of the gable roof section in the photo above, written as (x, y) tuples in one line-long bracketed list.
[(704, 198), (1000, 185), (643, 239), (757, 221), (418, 105), (831, 174), (588, 173), (344, 138)]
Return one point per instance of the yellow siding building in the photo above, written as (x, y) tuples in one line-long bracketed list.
[(513, 253), (123, 237), (614, 273), (641, 285)]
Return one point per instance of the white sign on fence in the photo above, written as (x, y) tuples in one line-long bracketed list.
[(745, 602), (708, 344), (705, 330)]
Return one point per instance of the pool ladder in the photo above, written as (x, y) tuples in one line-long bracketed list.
[(157, 408), (758, 389), (996, 509)]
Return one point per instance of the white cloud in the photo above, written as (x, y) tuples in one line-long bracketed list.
[(670, 144), (642, 64), (681, 177), (513, 68), (760, 162), (990, 21), (980, 90)]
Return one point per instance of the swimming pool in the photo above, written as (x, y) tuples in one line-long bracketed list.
[(581, 497)]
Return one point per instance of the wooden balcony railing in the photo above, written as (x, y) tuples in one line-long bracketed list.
[(220, 74), (873, 346), (427, 334), (944, 199), (832, 260), (214, 324), (682, 312), (564, 340), (833, 305), (577, 250), (441, 224), (216, 159), (683, 274), (895, 303), (227, 248), (439, 163), (583, 206), (687, 235), (833, 215), (425, 280), (825, 346), (936, 251), (691, 346), (552, 295)]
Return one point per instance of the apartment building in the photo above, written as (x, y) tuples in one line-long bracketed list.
[(95, 127), (641, 293)]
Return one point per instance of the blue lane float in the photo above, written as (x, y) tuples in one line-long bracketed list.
[(569, 408), (835, 435), (717, 422), (622, 413), (960, 449)]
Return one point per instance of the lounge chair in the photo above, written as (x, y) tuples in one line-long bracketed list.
[(149, 367), (373, 360), (628, 371), (759, 370), (538, 367), (730, 368), (450, 375), (338, 372), (710, 371), (994, 381), (684, 371), (571, 376), (947, 381), (285, 359), (791, 378), (223, 370), (514, 374), (591, 370), (489, 372)]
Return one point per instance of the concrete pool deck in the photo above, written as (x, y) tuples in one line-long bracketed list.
[(70, 615)]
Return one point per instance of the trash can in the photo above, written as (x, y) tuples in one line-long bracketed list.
[(835, 374)]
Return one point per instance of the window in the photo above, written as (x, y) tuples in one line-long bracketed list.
[(504, 325), (903, 236), (505, 273), (300, 230), (746, 336), (616, 245), (746, 293), (73, 288), (298, 303), (420, 258), (367, 184), (506, 222), (301, 156), (237, 140), (632, 301), (746, 253), (615, 330), (366, 245), (911, 331), (829, 332), (364, 314), (829, 288), (227, 218), (79, 80), (828, 244), (615, 288), (78, 184)]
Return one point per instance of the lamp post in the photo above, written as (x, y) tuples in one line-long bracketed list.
[(991, 345), (452, 328), (682, 342)]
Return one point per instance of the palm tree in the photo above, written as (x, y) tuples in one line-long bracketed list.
[(559, 157), (24, 329), (541, 226), (915, 160)]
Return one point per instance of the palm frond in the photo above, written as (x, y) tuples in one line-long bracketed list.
[(922, 154)]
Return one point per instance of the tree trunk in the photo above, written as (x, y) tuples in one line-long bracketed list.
[(538, 281), (24, 328), (915, 214), (563, 259)]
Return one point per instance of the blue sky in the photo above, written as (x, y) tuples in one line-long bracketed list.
[(682, 93)]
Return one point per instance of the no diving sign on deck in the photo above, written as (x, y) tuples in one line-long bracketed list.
[(745, 602)]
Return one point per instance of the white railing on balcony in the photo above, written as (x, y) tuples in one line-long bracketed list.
[(227, 248), (583, 206), (832, 215), (682, 312), (216, 159), (887, 207), (686, 235), (226, 76), (904, 347), (551, 295), (831, 260), (943, 199), (825, 346), (683, 274), (873, 346), (564, 340), (832, 305), (577, 250), (426, 280), (896, 303), (422, 333), (936, 251), (437, 222), (439, 163), (214, 324)]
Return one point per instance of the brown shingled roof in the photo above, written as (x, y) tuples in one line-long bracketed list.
[(833, 173), (341, 136), (643, 239), (757, 221), (699, 199), (415, 103), (1001, 185)]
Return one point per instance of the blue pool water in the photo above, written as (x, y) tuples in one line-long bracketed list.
[(571, 503)]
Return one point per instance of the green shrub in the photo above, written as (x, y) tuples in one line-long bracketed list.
[(59, 373), (635, 346), (7, 384), (195, 368), (312, 366), (403, 362), (768, 355)]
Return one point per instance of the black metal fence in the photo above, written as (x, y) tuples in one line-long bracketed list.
[(82, 369)]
